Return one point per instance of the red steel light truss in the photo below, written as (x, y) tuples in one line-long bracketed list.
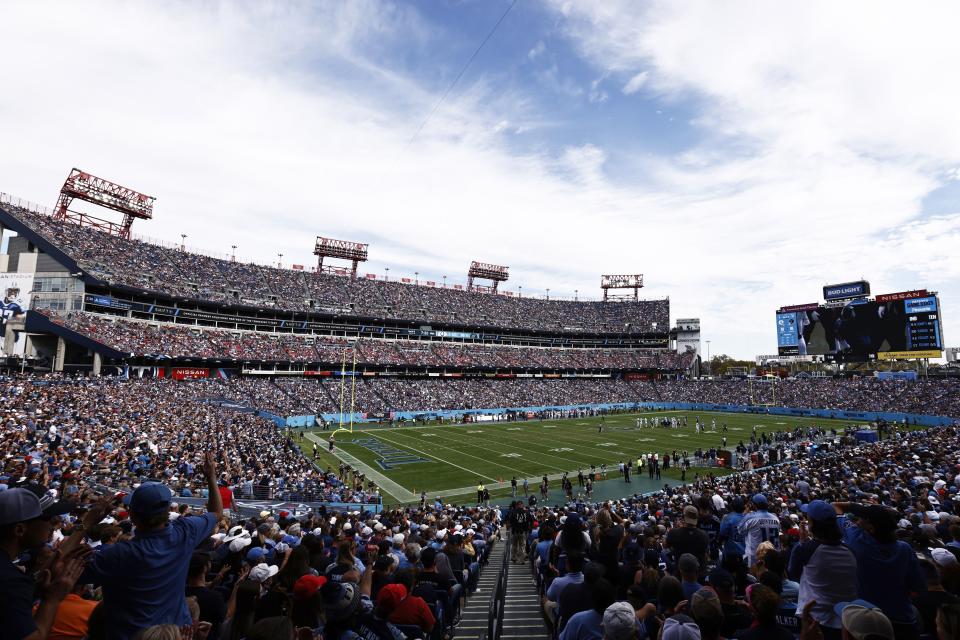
[(81, 185), (355, 252), (493, 272), (624, 281)]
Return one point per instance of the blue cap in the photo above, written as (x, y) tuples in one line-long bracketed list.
[(819, 510), (291, 540), (759, 499), (19, 505), (150, 499), (256, 554), (840, 606)]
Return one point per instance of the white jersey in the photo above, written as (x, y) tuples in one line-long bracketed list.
[(757, 527)]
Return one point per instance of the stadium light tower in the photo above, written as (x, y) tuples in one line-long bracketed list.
[(81, 185), (386, 274), (444, 282), (576, 294), (280, 261), (548, 293), (233, 253), (634, 281), (495, 273), (183, 242), (355, 252)]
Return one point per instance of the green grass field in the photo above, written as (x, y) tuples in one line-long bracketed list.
[(453, 459)]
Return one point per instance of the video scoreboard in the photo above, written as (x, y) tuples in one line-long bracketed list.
[(898, 325)]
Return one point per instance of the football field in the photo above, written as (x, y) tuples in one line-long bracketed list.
[(451, 460)]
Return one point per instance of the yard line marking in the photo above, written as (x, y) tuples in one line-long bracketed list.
[(522, 446), (439, 459), (390, 486)]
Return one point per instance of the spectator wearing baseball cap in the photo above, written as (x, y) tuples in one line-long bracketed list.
[(23, 527), (687, 538), (689, 569), (307, 603), (680, 627), (825, 568), (759, 526), (864, 621), (411, 609), (707, 612), (619, 622), (887, 568), (143, 579)]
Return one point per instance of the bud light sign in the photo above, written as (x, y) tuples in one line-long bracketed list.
[(859, 289)]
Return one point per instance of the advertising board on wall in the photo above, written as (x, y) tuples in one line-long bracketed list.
[(16, 288)]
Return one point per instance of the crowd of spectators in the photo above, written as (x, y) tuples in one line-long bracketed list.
[(938, 396), (854, 540), (71, 432), (119, 567), (861, 543), (173, 272), (166, 340), (316, 395)]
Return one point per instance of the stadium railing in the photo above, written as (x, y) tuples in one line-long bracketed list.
[(499, 598)]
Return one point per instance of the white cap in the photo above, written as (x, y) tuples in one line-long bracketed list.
[(398, 539), (240, 543), (263, 572), (943, 557)]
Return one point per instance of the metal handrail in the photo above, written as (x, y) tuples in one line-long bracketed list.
[(498, 601)]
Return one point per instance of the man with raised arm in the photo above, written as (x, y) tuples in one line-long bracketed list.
[(143, 579)]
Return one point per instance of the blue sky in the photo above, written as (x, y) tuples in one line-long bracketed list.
[(739, 155)]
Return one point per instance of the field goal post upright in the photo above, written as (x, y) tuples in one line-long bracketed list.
[(626, 282), (493, 272), (355, 252), (343, 382), (81, 185)]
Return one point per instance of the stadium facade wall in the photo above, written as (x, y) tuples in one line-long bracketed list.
[(867, 416), (252, 508)]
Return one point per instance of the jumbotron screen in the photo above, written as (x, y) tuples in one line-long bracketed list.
[(860, 328)]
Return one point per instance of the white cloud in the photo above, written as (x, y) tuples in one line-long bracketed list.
[(635, 83), (823, 127), (264, 125), (598, 94), (537, 50)]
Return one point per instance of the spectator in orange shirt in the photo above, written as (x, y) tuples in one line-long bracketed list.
[(73, 616)]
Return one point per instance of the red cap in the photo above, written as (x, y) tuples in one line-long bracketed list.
[(391, 596), (307, 585)]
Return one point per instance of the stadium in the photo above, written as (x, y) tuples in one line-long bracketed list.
[(198, 445), (329, 388)]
